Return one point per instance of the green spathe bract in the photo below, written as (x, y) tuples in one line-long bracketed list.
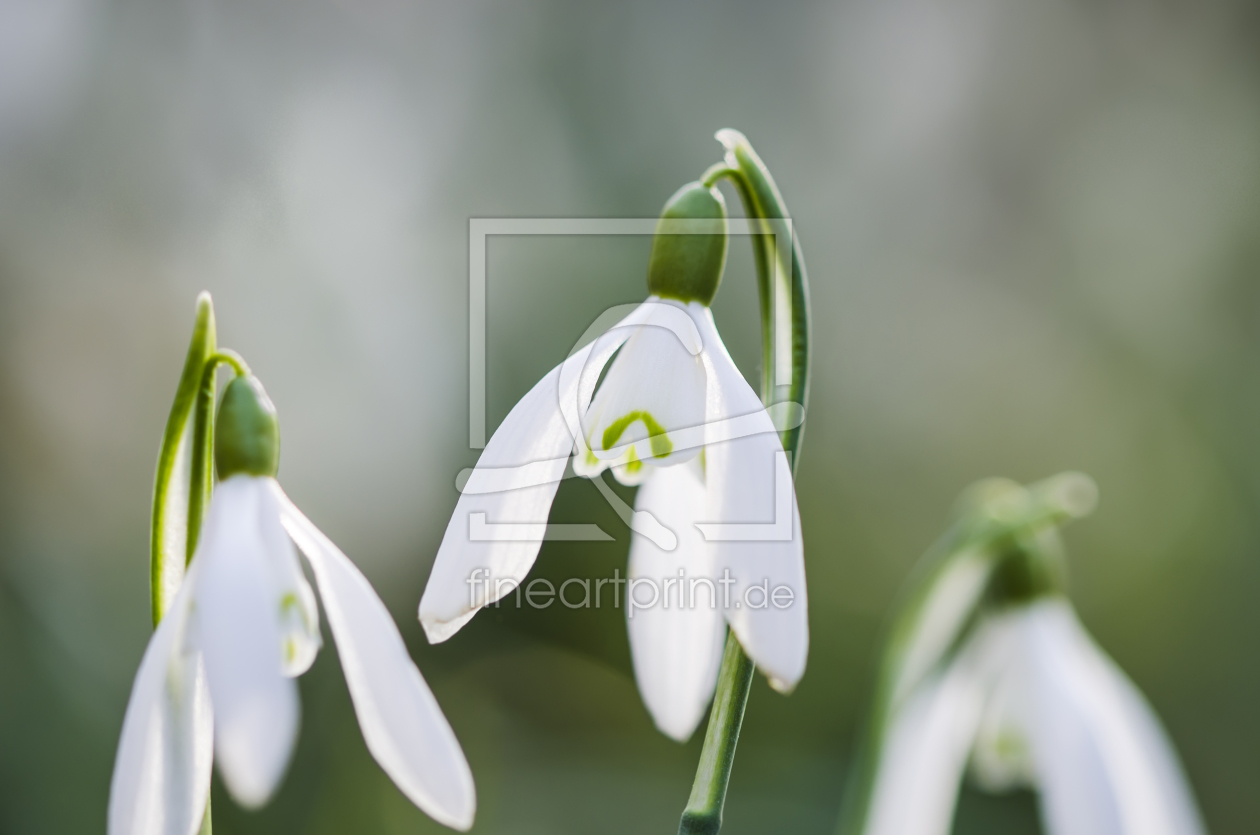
[(780, 274), (689, 247), (248, 432)]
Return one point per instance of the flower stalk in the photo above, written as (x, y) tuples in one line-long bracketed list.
[(201, 480), (781, 279)]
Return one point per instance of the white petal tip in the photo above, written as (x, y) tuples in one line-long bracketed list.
[(437, 629), (781, 686), (460, 820), (464, 822), (678, 734)]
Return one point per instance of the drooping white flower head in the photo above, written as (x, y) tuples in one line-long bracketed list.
[(1031, 700), (988, 669), (217, 679), (716, 511)]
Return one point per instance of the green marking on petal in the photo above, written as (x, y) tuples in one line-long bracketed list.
[(657, 437), (634, 464)]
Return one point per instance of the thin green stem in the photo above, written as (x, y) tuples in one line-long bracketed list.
[(703, 815), (201, 479), (780, 274), (717, 171)]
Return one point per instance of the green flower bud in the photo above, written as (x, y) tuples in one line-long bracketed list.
[(1030, 570), (247, 437), (686, 264)]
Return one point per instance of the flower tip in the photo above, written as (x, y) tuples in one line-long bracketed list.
[(464, 821), (781, 686), (730, 138), (437, 630), (676, 732), (1076, 493), (455, 811)]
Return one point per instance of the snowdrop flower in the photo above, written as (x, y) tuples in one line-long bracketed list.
[(674, 414), (217, 679), (1033, 701), (1028, 699)]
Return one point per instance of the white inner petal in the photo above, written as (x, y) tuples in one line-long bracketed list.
[(238, 612), (654, 388), (299, 614)]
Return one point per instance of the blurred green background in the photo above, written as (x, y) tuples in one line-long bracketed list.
[(1031, 230)]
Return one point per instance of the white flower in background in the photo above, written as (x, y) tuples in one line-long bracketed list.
[(217, 677), (1031, 700), (675, 415)]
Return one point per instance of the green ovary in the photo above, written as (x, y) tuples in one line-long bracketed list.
[(659, 440)]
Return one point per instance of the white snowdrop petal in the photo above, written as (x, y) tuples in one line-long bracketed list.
[(237, 607), (299, 614), (654, 388), (1104, 765), (1002, 757), (513, 484), (925, 750), (941, 616), (753, 523), (161, 774), (402, 723), (676, 643)]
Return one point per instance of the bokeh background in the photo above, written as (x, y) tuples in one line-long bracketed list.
[(1032, 235)]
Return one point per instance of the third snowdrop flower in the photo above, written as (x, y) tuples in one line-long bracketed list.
[(217, 680), (1025, 698), (715, 526)]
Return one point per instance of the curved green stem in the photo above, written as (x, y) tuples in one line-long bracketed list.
[(201, 479), (716, 173), (780, 277)]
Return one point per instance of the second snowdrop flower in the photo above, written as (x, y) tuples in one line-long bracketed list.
[(217, 680)]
